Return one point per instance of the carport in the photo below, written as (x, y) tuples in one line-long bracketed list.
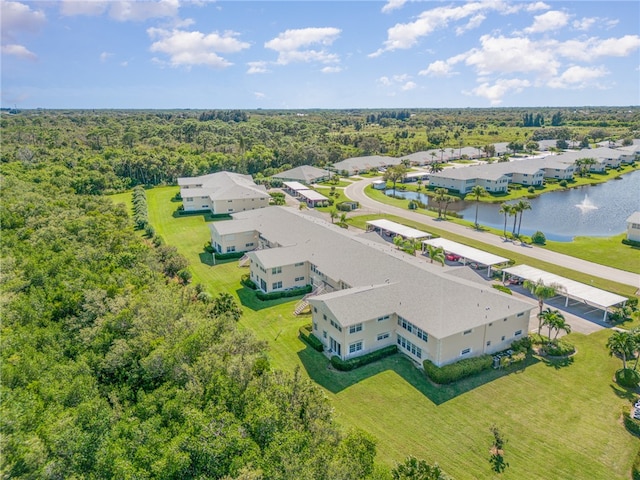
[(392, 229), (466, 253), (600, 299)]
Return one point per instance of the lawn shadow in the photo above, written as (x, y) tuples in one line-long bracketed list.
[(207, 259), (320, 370), (249, 299), (557, 363), (622, 392)]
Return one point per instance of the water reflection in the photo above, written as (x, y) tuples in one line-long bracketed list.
[(599, 210)]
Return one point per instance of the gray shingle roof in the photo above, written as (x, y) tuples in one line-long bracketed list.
[(222, 186), (411, 287), (304, 173)]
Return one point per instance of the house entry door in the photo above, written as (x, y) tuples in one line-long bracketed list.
[(335, 346)]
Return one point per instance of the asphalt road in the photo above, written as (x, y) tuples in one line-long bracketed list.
[(355, 192)]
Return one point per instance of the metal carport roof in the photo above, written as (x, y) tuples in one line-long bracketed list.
[(469, 253), (398, 229)]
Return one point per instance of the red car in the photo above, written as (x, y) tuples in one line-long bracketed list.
[(452, 257)]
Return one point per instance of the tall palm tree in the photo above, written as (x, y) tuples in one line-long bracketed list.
[(541, 292), (477, 191), (440, 197), (436, 253), (522, 206), (561, 324), (505, 209), (514, 211), (554, 320), (333, 213), (622, 344), (435, 167), (447, 200)]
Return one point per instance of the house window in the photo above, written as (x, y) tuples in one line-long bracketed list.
[(299, 279), (490, 324), (355, 328), (315, 326), (276, 270), (229, 210), (324, 316), (466, 351), (409, 347), (324, 334), (503, 337), (275, 285), (355, 347), (422, 334), (299, 264), (336, 326), (231, 249), (519, 332), (489, 343), (520, 314), (466, 332), (249, 244), (383, 336), (189, 199), (315, 310), (382, 319), (229, 201)]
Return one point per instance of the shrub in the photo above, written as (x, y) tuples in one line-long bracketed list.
[(346, 365), (632, 303), (626, 377), (531, 189), (563, 183), (538, 238), (184, 276), (635, 469), (307, 335), (559, 348), (631, 243), (246, 281), (294, 292), (457, 371), (630, 423), (502, 288), (230, 255), (522, 345)]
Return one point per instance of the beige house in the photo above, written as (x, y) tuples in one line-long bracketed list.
[(367, 295), (222, 193), (633, 227)]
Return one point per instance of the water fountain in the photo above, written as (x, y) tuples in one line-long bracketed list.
[(586, 205)]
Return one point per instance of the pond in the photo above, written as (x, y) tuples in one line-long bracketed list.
[(593, 211)]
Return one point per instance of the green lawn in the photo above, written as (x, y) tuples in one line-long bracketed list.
[(560, 421)]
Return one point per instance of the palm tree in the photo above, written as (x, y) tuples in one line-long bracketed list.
[(505, 209), (561, 324), (554, 320), (333, 213), (395, 174), (477, 191), (522, 206), (447, 200), (440, 197), (436, 253), (343, 218), (541, 292), (419, 182), (622, 344), (514, 211), (435, 167)]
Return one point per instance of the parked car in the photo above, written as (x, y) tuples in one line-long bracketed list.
[(452, 257)]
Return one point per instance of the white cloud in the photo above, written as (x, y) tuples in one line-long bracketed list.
[(578, 77), (257, 67), (474, 22), (584, 23), (495, 92), (331, 70), (17, 18), (291, 43), (195, 48), (384, 81), (551, 20), (259, 95), (534, 7), (104, 56), (593, 48), (512, 54), (439, 68), (409, 86), (393, 5), (18, 51)]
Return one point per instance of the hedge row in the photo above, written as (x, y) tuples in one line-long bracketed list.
[(247, 282), (630, 423), (228, 256), (635, 469), (294, 292), (140, 213), (307, 335), (627, 377), (457, 371), (502, 288), (346, 365), (632, 243)]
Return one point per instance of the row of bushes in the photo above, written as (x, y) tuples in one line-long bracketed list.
[(627, 377), (555, 348), (502, 288), (457, 371), (307, 335), (631, 243), (140, 211), (229, 256), (246, 281), (350, 364), (294, 292), (630, 423)]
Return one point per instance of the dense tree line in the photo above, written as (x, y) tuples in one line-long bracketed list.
[(117, 150), (110, 369)]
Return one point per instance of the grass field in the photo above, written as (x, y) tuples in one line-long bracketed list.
[(561, 421)]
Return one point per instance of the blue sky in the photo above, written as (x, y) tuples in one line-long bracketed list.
[(319, 54)]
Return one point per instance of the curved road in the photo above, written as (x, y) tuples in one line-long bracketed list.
[(355, 192)]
